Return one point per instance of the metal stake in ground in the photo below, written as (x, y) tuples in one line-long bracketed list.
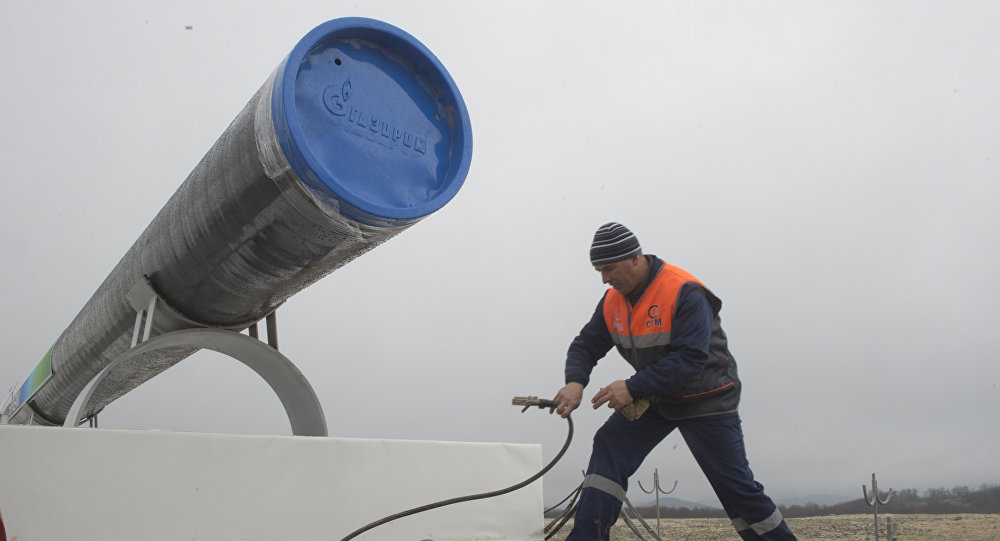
[(875, 500), (657, 490), (891, 529)]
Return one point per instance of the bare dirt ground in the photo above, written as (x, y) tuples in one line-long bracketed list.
[(965, 527)]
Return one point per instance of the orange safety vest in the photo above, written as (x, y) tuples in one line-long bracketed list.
[(641, 332), (648, 323)]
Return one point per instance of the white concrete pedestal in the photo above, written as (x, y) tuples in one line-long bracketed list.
[(106, 484)]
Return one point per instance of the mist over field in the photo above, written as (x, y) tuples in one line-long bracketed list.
[(829, 169)]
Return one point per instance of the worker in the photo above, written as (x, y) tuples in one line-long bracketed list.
[(666, 324)]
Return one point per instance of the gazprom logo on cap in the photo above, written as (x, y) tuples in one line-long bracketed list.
[(378, 129)]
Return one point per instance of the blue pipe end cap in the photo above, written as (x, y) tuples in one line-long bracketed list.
[(366, 114)]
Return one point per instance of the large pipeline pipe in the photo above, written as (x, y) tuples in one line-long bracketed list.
[(359, 133)]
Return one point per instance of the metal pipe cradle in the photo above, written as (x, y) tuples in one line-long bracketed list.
[(358, 134)]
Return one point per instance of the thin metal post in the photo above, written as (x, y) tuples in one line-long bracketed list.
[(138, 327), (149, 319), (875, 500), (891, 529), (272, 330), (656, 488)]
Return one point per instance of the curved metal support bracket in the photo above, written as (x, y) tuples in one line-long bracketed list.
[(298, 398)]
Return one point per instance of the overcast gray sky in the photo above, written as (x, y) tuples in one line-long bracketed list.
[(829, 169)]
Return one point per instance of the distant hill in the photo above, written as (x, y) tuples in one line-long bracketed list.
[(817, 498), (906, 501), (666, 502), (675, 503)]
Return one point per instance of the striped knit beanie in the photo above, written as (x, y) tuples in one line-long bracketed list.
[(613, 242)]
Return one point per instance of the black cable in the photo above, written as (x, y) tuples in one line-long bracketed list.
[(561, 521), (484, 495), (641, 520), (568, 496)]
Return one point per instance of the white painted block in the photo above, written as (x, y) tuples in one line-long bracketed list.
[(107, 484)]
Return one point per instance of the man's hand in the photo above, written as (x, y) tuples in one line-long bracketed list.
[(616, 395), (568, 399)]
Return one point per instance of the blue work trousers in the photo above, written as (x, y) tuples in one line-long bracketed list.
[(716, 442)]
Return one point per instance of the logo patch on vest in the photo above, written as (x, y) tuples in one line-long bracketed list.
[(654, 317), (618, 326)]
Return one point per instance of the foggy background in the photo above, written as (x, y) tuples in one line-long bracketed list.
[(829, 169)]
